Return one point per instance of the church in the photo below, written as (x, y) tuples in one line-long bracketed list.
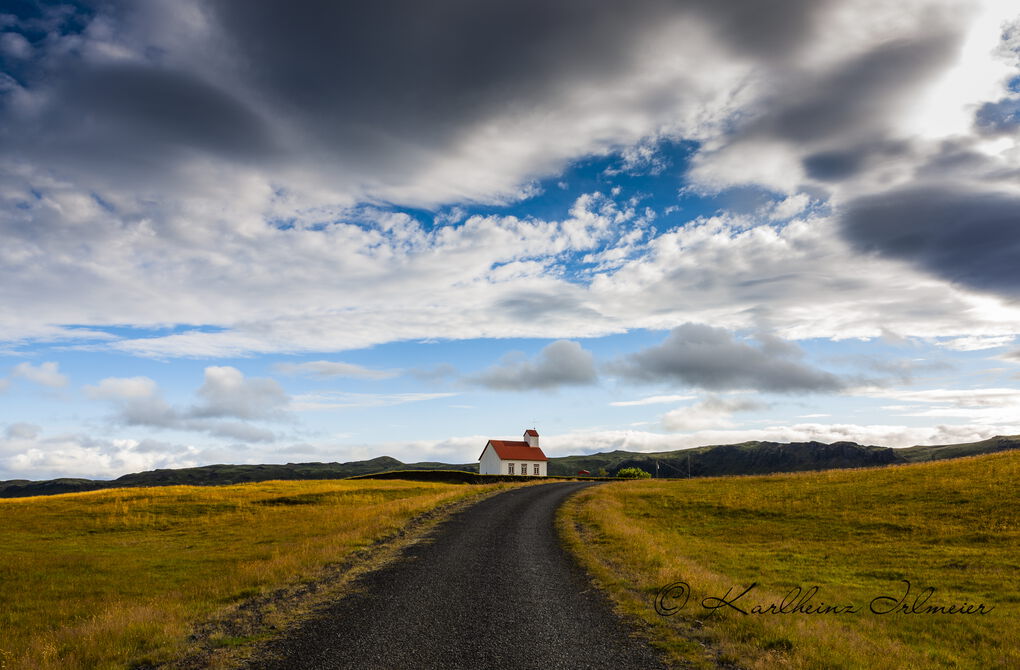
[(514, 457)]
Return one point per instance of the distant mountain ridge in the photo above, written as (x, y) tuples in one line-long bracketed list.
[(753, 458), (746, 458)]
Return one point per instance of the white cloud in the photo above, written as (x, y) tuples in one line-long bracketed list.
[(454, 450), (458, 284), (329, 369), (226, 392), (798, 279), (228, 403), (978, 342), (20, 430), (789, 207), (977, 397), (46, 374), (981, 406), (125, 388), (652, 400), (711, 413), (344, 400), (763, 162), (27, 454), (976, 75)]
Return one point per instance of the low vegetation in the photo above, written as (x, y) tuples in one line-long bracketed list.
[(633, 473), (859, 536), (119, 578)]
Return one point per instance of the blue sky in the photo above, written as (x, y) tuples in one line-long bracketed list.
[(234, 232)]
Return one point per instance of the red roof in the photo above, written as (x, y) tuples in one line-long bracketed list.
[(532, 432), (511, 450)]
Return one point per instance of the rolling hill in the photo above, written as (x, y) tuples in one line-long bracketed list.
[(746, 458)]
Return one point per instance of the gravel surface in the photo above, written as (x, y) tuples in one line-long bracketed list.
[(491, 589)]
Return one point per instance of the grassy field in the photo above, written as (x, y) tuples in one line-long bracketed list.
[(952, 526), (112, 579)]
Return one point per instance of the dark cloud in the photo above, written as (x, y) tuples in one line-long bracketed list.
[(537, 305), (133, 125), (833, 165), (839, 164), (768, 30), (381, 86), (859, 95), (707, 357), (954, 159), (967, 236), (382, 89), (155, 106), (403, 65), (562, 363)]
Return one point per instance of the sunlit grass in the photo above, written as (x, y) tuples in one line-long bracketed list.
[(953, 526), (110, 579)]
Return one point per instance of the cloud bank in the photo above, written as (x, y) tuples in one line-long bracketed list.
[(710, 358), (229, 403), (562, 363), (163, 167)]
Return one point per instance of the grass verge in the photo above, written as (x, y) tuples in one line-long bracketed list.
[(855, 535), (121, 578)]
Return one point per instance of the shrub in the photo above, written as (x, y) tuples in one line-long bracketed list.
[(633, 473)]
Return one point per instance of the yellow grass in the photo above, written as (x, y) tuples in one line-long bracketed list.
[(111, 579), (953, 526)]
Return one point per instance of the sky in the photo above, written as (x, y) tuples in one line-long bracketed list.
[(267, 232)]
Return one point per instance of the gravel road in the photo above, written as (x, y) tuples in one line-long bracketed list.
[(492, 589)]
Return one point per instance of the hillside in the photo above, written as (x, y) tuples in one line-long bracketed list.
[(212, 475), (910, 549), (936, 453), (746, 458), (752, 458)]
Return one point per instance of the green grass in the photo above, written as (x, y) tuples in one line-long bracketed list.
[(855, 534), (111, 579)]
